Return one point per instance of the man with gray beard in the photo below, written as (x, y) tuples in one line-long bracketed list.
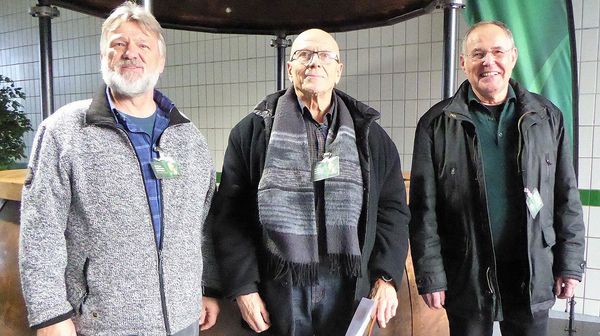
[(115, 200)]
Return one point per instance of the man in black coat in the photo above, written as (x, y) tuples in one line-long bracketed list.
[(497, 228), (311, 211)]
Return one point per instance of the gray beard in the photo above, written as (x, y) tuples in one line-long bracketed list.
[(126, 87)]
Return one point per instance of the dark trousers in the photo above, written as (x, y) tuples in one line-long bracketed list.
[(324, 308), (516, 323)]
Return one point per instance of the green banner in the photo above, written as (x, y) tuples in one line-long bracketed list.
[(543, 33)]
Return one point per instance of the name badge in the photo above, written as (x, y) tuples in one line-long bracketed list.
[(326, 168), (534, 201), (165, 168)]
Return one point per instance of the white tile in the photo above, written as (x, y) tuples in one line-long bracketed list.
[(409, 139), (585, 141), (398, 138), (597, 115), (589, 38), (387, 88), (363, 38), (424, 56), (363, 61), (399, 58), (592, 290), (424, 28), (585, 173), (593, 224), (374, 87), (591, 14), (423, 84), (437, 26), (387, 36), (596, 142), (387, 60), (386, 113), (363, 87), (436, 85), (411, 85), (351, 63), (591, 307), (412, 30), (437, 56), (410, 113), (398, 117), (374, 37), (587, 105), (412, 57), (398, 80), (375, 60), (596, 174), (587, 77), (400, 33), (352, 40)]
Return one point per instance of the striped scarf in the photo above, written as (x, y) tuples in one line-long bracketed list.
[(286, 197)]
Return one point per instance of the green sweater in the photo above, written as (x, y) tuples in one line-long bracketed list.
[(498, 137)]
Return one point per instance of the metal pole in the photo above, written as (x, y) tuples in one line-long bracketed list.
[(571, 328), (148, 5), (45, 13), (281, 43), (451, 8)]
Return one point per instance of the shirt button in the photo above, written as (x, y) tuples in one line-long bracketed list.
[(500, 134)]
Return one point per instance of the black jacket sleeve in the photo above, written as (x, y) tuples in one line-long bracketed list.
[(424, 238), (391, 234), (234, 217)]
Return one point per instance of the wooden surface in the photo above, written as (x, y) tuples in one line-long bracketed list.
[(11, 183)]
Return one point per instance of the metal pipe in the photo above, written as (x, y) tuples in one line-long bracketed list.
[(45, 13), (451, 8), (280, 65), (148, 5)]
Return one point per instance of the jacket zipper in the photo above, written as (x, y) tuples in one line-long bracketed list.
[(163, 299), (482, 195), (488, 277), (156, 243)]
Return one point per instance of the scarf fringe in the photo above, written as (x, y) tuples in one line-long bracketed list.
[(306, 274)]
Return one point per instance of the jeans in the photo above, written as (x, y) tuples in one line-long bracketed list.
[(324, 308)]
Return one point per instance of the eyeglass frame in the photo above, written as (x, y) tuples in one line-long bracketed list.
[(503, 53), (318, 53)]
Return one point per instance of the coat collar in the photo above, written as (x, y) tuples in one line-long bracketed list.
[(525, 102), (99, 111)]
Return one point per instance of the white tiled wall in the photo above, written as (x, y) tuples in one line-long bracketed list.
[(216, 79)]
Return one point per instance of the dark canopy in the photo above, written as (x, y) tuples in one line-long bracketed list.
[(271, 17)]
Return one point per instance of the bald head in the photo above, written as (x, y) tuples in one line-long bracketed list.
[(314, 66), (315, 39)]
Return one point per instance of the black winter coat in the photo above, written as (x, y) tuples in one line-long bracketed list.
[(383, 224), (451, 242)]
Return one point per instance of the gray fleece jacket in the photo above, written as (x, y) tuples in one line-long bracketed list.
[(87, 244)]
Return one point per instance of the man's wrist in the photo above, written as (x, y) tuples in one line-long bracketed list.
[(386, 279)]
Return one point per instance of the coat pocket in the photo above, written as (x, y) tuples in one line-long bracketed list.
[(549, 236)]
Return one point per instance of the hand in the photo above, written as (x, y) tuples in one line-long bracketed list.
[(386, 302), (254, 311), (564, 288), (435, 300), (209, 313), (63, 328)]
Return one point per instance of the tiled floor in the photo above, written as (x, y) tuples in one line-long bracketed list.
[(559, 327)]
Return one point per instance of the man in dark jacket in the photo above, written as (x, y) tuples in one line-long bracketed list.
[(311, 211), (497, 227)]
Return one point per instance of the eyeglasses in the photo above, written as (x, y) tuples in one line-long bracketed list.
[(306, 56), (497, 54)]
